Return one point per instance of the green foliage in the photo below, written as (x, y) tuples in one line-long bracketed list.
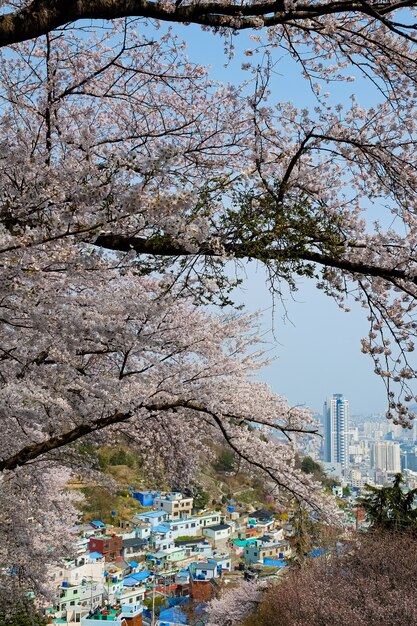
[(226, 461), (310, 466), (303, 531), (159, 604), (201, 498), (391, 508), (103, 461), (279, 234), (121, 457), (187, 537), (99, 503)]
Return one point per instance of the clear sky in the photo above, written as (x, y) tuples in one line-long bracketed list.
[(317, 349)]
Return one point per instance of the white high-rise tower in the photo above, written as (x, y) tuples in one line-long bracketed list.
[(336, 426)]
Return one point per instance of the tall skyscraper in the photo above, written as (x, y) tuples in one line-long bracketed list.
[(336, 426)]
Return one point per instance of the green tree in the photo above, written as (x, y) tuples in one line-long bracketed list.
[(226, 461), (310, 466), (120, 457), (392, 507), (201, 498)]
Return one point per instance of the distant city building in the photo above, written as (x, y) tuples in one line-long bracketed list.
[(336, 427), (356, 479), (385, 456), (408, 459)]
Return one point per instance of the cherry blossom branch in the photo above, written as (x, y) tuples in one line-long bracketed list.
[(33, 451), (251, 461), (168, 247), (42, 16)]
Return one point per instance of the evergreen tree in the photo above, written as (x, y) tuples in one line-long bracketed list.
[(391, 508)]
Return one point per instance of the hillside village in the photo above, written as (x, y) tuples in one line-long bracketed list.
[(163, 564)]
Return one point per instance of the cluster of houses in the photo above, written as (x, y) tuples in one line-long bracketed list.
[(159, 557)]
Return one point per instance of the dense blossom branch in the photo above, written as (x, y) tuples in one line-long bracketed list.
[(42, 16), (33, 451), (168, 247)]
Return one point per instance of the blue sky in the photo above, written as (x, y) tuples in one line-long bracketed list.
[(316, 350)]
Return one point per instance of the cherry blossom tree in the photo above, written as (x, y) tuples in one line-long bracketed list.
[(97, 345), (370, 584), (129, 177), (286, 186), (235, 605)]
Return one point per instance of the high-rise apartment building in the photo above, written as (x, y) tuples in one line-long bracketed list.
[(336, 426), (386, 456)]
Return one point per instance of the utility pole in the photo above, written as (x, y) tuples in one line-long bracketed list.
[(153, 601), (153, 582), (153, 597)]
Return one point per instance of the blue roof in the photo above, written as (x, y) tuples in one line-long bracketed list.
[(275, 562), (151, 514), (133, 564), (161, 529), (172, 615), (129, 581), (134, 579), (95, 555), (317, 552), (97, 524)]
